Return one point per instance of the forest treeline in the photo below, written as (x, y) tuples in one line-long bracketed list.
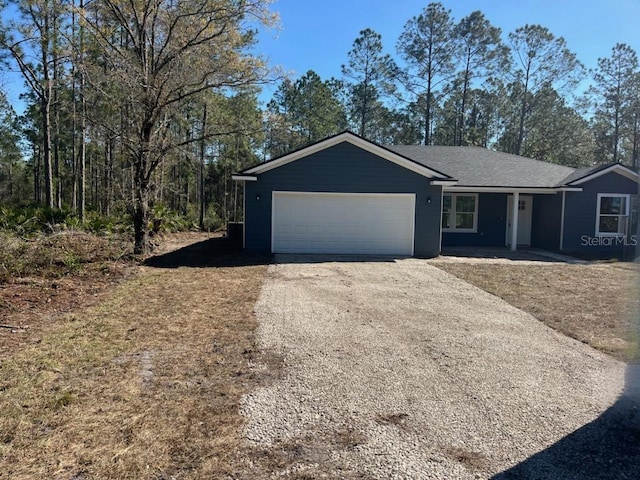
[(138, 107)]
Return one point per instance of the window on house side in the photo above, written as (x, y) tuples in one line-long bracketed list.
[(459, 212), (612, 215)]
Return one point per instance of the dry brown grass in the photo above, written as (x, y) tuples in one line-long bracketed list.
[(596, 303), (57, 255), (145, 385)]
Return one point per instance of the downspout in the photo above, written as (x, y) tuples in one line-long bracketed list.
[(440, 219), (562, 222), (244, 215)]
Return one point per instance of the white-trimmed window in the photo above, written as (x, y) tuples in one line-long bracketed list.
[(612, 215), (460, 212)]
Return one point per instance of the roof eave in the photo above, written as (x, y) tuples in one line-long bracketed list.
[(445, 182), (616, 167), (510, 189), (244, 178), (353, 139)]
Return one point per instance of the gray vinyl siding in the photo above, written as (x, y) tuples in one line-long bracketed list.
[(545, 221), (491, 231), (343, 168), (580, 216)]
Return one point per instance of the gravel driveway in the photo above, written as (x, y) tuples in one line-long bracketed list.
[(396, 369)]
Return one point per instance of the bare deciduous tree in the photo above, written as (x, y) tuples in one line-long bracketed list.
[(160, 55)]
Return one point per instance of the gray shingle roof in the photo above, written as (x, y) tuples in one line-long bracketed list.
[(585, 172), (480, 167)]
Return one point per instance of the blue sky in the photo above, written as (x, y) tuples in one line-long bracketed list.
[(317, 35)]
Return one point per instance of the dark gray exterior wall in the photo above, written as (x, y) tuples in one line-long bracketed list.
[(545, 221), (580, 217), (492, 211), (343, 168)]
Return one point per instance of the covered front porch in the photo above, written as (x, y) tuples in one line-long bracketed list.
[(502, 217)]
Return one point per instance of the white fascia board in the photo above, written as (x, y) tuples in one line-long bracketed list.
[(444, 183), (619, 169), (354, 140), (244, 178), (548, 191)]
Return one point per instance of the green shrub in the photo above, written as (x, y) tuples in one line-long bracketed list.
[(165, 220), (31, 220), (100, 224)]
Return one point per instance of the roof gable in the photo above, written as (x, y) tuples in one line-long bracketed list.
[(465, 167), (357, 141), (587, 174)]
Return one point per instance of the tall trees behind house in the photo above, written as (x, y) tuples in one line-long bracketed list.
[(116, 95), (369, 75), (480, 55), (542, 64), (303, 112), (428, 48), (615, 95)]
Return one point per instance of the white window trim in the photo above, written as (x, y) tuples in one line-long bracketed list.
[(626, 214), (452, 214)]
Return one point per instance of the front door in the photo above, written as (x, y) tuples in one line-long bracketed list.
[(525, 204)]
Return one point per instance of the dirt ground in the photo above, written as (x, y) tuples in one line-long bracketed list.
[(596, 303), (143, 381), (137, 371), (30, 306)]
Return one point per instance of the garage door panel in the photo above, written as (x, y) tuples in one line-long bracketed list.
[(343, 223)]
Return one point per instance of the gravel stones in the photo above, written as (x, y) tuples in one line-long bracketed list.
[(396, 369)]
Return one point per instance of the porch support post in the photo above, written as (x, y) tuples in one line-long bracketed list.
[(514, 221)]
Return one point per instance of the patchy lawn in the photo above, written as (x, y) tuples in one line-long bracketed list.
[(137, 372), (45, 276), (596, 303), (144, 385)]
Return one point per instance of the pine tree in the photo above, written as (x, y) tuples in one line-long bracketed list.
[(426, 44)]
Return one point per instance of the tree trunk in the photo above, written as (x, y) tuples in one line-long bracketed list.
[(142, 179), (427, 117), (82, 154), (141, 205), (108, 160), (202, 148), (46, 151), (363, 115), (616, 124), (463, 106), (140, 219), (45, 105), (36, 173), (635, 141), (56, 131), (523, 113)]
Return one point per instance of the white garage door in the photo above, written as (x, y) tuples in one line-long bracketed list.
[(357, 223)]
